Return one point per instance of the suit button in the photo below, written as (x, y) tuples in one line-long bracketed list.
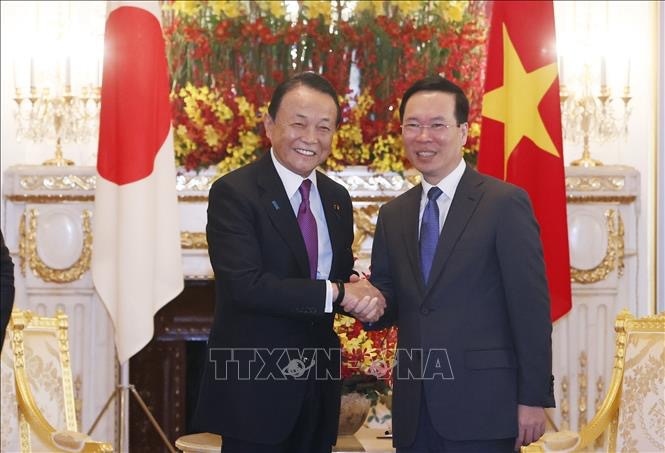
[(424, 311)]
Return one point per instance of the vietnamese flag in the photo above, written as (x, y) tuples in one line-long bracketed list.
[(136, 262), (521, 140)]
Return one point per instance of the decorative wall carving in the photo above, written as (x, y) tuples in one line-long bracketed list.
[(58, 183), (193, 240), (564, 404), (602, 231), (595, 183), (613, 258), (582, 379), (28, 246), (364, 220)]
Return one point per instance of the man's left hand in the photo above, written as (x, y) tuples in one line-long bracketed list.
[(531, 424)]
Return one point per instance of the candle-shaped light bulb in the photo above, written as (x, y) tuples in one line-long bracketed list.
[(15, 74), (628, 74), (32, 73), (603, 72), (562, 81), (68, 73)]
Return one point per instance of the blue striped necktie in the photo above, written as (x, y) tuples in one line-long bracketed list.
[(429, 232)]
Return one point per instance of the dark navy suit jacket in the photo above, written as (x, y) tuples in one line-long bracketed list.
[(265, 300), (6, 287)]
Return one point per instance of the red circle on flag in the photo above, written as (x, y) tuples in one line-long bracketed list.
[(135, 115)]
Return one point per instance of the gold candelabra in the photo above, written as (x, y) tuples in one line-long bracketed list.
[(587, 117), (65, 117)]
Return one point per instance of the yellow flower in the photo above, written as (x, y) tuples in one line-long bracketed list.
[(183, 144), (275, 8), (409, 7), (474, 129), (247, 111), (211, 136), (249, 141), (193, 112), (315, 9), (222, 111), (374, 7), (364, 102), (185, 7), (230, 9), (453, 10)]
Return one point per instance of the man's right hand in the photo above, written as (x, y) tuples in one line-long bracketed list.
[(363, 301)]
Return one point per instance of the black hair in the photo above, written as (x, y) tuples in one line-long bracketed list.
[(438, 83), (309, 79)]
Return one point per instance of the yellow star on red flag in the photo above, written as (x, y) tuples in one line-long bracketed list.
[(521, 138), (515, 104)]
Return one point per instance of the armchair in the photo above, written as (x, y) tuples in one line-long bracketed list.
[(632, 416), (38, 412)]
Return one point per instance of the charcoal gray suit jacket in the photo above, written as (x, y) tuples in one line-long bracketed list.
[(483, 320)]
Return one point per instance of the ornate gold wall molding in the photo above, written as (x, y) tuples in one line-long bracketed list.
[(375, 182), (193, 240), (595, 183), (44, 199), (28, 251), (363, 218), (614, 253), (57, 183), (585, 199), (195, 182), (582, 382), (565, 404)]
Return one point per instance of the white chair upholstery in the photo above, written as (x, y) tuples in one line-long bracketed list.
[(38, 413), (632, 416)]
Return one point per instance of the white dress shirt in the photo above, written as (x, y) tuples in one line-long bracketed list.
[(448, 186), (292, 182)]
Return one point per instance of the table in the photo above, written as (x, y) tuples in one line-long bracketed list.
[(365, 440)]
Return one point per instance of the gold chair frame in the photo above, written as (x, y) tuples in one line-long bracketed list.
[(608, 413), (30, 416)]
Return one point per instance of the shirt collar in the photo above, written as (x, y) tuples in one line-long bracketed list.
[(290, 180), (448, 185)]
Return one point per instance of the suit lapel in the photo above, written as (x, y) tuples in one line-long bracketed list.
[(464, 203), (412, 221), (278, 207)]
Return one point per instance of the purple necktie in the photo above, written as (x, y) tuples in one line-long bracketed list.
[(429, 232), (307, 224)]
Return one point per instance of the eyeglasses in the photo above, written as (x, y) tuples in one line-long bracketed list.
[(435, 128)]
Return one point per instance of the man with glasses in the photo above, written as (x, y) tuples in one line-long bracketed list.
[(279, 238), (460, 263)]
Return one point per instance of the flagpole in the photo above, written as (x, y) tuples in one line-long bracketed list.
[(124, 407)]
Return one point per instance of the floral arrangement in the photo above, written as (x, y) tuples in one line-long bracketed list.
[(367, 358), (226, 57)]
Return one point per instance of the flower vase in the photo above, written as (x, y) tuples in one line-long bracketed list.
[(353, 412)]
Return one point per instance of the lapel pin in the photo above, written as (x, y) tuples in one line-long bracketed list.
[(275, 205)]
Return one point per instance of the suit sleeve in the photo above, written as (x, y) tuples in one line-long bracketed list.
[(6, 285), (236, 253), (381, 276), (520, 253)]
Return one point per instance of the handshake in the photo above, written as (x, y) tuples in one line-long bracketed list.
[(362, 300)]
